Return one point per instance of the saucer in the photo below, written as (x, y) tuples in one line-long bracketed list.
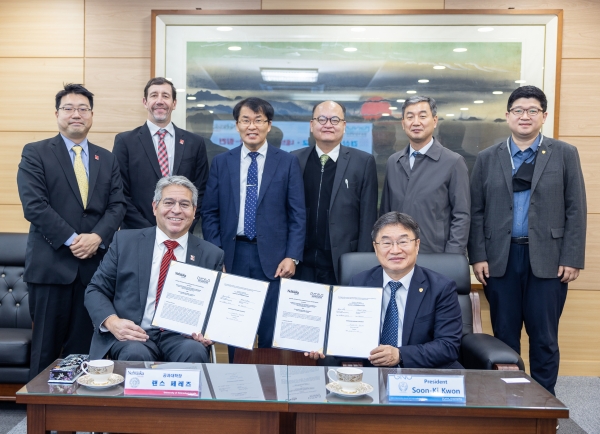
[(109, 391), (363, 389), (113, 380)]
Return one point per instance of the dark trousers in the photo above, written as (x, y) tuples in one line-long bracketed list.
[(164, 346), (316, 275), (61, 323), (247, 263), (519, 297)]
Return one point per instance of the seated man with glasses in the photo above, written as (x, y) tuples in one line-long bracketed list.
[(124, 292), (421, 321)]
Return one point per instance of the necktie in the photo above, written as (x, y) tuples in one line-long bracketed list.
[(389, 333), (324, 159), (164, 267), (414, 155), (163, 157), (80, 174), (251, 198)]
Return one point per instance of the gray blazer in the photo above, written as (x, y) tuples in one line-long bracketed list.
[(557, 210), (353, 206), (435, 193)]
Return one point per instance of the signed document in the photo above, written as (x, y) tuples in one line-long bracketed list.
[(236, 311), (185, 298), (301, 320)]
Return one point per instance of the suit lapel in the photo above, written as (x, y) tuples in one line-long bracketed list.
[(375, 280), (505, 162), (543, 155), (233, 164), (413, 302), (193, 251), (271, 163), (340, 170), (62, 155), (94, 167), (145, 253), (147, 144), (179, 148), (404, 161)]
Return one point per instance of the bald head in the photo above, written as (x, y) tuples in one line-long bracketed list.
[(325, 115)]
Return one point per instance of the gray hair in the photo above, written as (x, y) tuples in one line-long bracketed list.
[(417, 99), (395, 218), (175, 180)]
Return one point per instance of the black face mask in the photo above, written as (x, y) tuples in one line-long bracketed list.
[(521, 180)]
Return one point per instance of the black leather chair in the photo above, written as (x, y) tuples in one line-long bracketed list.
[(15, 320), (478, 350)]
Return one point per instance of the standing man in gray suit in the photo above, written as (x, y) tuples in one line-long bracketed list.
[(340, 188), (429, 182), (528, 231)]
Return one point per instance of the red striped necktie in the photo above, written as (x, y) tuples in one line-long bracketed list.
[(163, 157), (164, 267)]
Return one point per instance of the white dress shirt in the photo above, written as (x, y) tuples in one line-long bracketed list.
[(169, 141), (333, 154), (423, 151), (401, 295), (245, 161)]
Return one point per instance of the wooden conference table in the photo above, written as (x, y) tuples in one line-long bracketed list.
[(265, 399)]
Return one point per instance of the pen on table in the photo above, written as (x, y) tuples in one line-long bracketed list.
[(346, 183)]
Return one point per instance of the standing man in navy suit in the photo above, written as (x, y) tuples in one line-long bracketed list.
[(255, 210), (72, 195), (155, 150)]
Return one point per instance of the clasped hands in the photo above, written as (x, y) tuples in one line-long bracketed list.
[(85, 245), (383, 355)]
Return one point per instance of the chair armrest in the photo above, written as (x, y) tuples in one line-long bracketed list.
[(481, 351)]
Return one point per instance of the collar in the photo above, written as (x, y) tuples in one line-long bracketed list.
[(70, 144), (154, 128), (161, 237), (423, 150), (262, 150), (514, 149), (405, 280), (333, 154)]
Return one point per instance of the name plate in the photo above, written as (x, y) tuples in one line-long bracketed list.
[(427, 388), (162, 382)]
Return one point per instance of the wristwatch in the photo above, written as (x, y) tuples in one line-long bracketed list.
[(296, 261), (401, 362)]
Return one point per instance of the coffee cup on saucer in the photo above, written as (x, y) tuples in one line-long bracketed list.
[(349, 379), (99, 370)]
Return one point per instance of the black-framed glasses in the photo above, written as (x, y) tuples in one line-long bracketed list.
[(258, 122), (518, 111), (388, 244), (334, 120), (81, 110)]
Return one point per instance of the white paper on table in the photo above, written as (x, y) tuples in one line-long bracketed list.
[(515, 380), (185, 298), (236, 311), (235, 382), (306, 384), (354, 322), (301, 316)]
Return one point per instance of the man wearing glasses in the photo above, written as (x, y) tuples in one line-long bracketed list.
[(255, 208), (72, 195), (340, 187), (528, 230)]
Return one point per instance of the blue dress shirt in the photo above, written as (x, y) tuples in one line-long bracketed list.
[(521, 199)]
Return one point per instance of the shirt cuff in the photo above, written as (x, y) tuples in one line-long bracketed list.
[(102, 328), (70, 240)]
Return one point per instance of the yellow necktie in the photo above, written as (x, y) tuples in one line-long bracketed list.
[(80, 174), (324, 159)]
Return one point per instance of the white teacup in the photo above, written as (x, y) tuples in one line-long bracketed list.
[(349, 379), (100, 370)]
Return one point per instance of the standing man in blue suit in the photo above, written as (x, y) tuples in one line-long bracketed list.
[(255, 210)]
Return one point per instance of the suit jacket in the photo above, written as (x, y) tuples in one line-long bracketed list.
[(557, 209), (280, 213), (353, 207), (120, 286), (432, 326), (435, 193), (140, 171), (52, 204)]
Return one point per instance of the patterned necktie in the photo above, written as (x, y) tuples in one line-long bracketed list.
[(389, 333), (163, 157), (414, 155), (251, 198), (164, 267), (80, 174), (324, 159)]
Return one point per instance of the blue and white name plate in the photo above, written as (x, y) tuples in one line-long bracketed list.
[(427, 388), (162, 382)]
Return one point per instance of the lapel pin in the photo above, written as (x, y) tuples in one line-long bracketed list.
[(543, 152), (97, 157), (181, 141), (420, 289), (192, 257)]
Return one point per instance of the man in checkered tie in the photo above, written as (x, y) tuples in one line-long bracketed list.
[(421, 321), (135, 269)]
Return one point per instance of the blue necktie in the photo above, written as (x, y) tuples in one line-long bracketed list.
[(414, 155), (389, 333), (251, 198)]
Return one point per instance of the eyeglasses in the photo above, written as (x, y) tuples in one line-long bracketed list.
[(323, 120), (403, 244), (520, 112), (83, 111), (184, 205), (257, 122)]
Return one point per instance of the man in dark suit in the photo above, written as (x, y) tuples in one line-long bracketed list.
[(255, 210), (157, 149), (528, 231), (72, 195), (340, 188), (122, 295), (420, 316)]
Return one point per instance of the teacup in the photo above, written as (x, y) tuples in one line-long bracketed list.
[(349, 379), (99, 370)]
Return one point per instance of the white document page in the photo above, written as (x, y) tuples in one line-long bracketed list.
[(236, 311), (307, 383), (301, 316), (235, 382), (185, 298), (354, 321)]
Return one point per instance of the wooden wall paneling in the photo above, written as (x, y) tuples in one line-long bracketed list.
[(105, 140), (12, 220), (353, 4), (581, 17), (41, 28), (121, 28), (28, 88), (578, 105), (589, 154), (589, 279)]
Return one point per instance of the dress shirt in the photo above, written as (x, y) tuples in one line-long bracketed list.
[(245, 161), (521, 199), (401, 295), (333, 154), (169, 141), (423, 151), (85, 157)]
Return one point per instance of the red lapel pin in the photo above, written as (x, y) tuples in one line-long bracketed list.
[(192, 257), (97, 157), (181, 141)]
